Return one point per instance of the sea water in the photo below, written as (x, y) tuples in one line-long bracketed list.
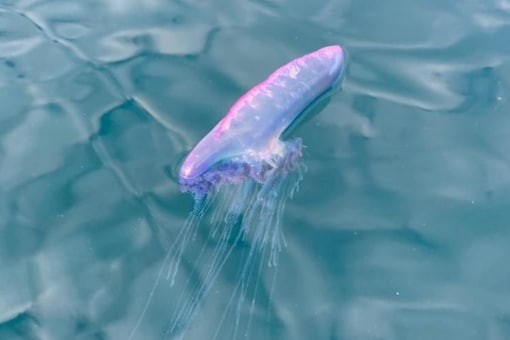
[(399, 229)]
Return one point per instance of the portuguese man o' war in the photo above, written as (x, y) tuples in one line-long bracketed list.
[(241, 174)]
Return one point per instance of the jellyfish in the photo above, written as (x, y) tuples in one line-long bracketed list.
[(241, 175)]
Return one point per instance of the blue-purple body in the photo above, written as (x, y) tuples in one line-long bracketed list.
[(250, 132), (261, 172)]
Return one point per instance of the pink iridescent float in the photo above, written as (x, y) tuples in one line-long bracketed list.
[(246, 142), (241, 174)]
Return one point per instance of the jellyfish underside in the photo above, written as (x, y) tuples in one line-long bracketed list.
[(244, 209), (238, 207)]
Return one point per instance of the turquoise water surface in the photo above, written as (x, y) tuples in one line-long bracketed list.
[(401, 227)]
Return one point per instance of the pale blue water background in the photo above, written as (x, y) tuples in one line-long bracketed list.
[(401, 229)]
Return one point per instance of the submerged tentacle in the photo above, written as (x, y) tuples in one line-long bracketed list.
[(173, 256), (261, 228), (185, 235), (222, 229)]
